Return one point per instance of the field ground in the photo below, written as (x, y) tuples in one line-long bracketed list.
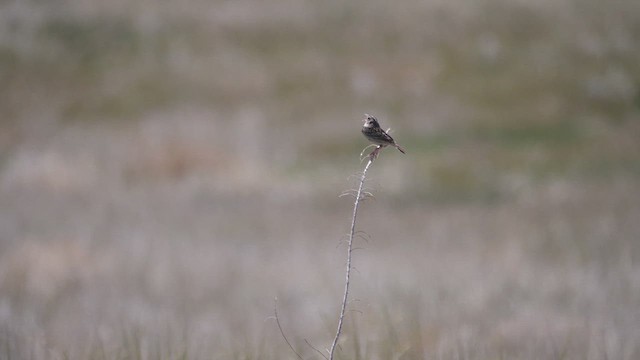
[(168, 169)]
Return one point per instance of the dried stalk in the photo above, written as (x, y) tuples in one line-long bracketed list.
[(349, 252)]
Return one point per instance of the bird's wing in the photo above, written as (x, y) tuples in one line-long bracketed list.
[(388, 137)]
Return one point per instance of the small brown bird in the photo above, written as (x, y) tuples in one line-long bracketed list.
[(374, 133)]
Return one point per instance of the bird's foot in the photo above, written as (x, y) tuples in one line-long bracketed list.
[(374, 154)]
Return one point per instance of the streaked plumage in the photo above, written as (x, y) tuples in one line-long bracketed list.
[(374, 133)]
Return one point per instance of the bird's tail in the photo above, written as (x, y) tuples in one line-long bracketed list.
[(399, 148)]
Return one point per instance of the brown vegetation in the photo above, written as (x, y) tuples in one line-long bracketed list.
[(167, 169)]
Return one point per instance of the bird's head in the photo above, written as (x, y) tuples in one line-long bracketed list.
[(370, 121)]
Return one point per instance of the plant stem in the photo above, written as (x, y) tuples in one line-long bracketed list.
[(349, 251)]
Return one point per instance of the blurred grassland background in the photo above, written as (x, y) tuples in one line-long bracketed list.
[(168, 168)]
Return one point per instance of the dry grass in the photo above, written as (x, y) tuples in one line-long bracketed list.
[(166, 170)]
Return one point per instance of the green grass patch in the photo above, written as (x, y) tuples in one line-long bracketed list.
[(90, 41), (566, 133)]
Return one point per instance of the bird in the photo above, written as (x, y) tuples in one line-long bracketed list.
[(374, 133)]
